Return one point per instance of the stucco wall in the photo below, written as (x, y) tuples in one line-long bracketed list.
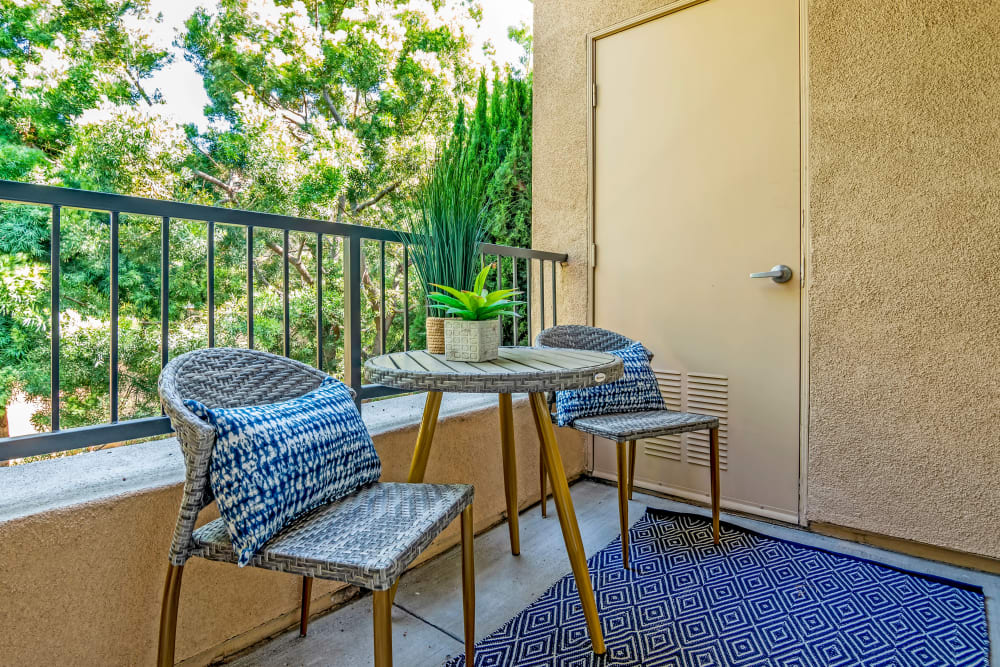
[(82, 585), (904, 296), (904, 211)]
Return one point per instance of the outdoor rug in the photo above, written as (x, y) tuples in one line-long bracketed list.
[(752, 600)]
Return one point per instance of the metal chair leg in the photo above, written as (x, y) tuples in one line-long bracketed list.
[(382, 620), (542, 471), (468, 585), (168, 616), (713, 439), (307, 587), (623, 486), (631, 468)]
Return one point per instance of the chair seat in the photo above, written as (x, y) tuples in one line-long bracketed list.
[(367, 538), (625, 426)]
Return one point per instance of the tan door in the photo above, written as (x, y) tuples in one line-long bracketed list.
[(696, 185)]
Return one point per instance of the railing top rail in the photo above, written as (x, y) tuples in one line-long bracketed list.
[(50, 195)]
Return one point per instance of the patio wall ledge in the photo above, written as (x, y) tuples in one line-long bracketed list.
[(83, 540)]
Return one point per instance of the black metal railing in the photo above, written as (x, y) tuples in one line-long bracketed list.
[(56, 199)]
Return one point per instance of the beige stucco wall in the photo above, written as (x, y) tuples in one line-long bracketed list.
[(904, 296), (904, 234), (82, 586)]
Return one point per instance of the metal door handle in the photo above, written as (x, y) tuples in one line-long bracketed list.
[(779, 274)]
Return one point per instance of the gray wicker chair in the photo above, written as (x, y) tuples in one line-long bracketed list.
[(366, 539), (627, 427)]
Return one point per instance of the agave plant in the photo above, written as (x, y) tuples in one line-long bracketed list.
[(478, 304)]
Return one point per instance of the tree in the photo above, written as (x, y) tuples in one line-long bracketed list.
[(330, 109)]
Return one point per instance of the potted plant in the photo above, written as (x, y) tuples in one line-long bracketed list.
[(475, 333), (446, 233)]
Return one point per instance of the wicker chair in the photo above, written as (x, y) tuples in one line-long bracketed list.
[(627, 427), (366, 539)]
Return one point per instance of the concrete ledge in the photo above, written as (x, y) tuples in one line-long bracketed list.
[(55, 484)]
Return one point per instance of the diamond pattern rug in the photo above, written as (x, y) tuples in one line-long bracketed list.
[(752, 600)]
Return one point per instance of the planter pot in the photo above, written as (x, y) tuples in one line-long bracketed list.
[(467, 340), (435, 335)]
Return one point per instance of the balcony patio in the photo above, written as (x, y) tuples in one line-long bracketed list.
[(851, 389)]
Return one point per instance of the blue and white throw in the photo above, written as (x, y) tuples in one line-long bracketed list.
[(636, 390), (272, 463)]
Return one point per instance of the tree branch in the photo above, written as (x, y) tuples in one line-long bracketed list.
[(294, 261), (230, 193), (333, 109), (378, 196)]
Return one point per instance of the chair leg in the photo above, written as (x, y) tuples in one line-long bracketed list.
[(307, 587), (631, 468), (623, 499), (168, 616), (713, 438), (542, 471), (468, 585), (382, 620)]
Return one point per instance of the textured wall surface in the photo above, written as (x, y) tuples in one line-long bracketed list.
[(82, 585), (904, 205), (559, 157)]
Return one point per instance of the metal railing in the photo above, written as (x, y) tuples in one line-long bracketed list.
[(57, 199)]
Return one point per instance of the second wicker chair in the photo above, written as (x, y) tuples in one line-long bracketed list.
[(626, 428)]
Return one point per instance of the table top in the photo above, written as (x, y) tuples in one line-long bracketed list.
[(519, 369)]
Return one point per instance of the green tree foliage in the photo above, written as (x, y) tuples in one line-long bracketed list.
[(329, 109)]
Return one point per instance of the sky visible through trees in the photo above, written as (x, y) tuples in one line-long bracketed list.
[(330, 109)]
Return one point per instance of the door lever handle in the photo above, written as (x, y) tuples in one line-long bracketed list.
[(779, 274)]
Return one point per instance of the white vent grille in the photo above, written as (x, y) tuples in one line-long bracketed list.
[(668, 447), (707, 394)]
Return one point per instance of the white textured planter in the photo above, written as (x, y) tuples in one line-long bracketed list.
[(469, 340)]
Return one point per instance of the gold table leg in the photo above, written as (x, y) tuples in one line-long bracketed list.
[(567, 521), (468, 586), (506, 412), (623, 487), (422, 451)]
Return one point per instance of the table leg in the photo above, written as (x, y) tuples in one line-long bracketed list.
[(506, 412), (422, 451), (541, 464), (567, 521)]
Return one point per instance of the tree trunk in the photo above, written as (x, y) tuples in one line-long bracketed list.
[(4, 432)]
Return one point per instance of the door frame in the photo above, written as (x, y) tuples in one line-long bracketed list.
[(804, 237)]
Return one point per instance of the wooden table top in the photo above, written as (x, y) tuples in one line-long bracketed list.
[(519, 369)]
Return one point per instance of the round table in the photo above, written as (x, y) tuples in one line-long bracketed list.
[(518, 369)]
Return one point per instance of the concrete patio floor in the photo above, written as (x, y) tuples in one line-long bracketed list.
[(427, 616)]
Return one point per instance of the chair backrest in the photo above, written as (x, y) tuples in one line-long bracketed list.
[(583, 338), (220, 377)]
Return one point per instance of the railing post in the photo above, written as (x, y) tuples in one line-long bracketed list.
[(54, 264), (319, 301), (250, 287), (164, 291), (352, 314), (211, 284), (286, 315), (114, 317)]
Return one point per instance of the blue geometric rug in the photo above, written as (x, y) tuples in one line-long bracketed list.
[(752, 600)]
